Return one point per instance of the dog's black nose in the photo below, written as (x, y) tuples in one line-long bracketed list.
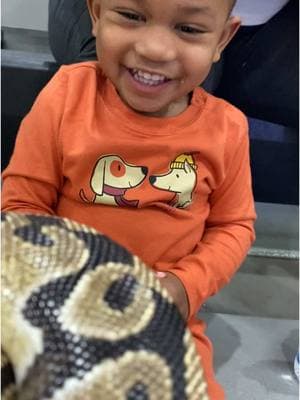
[(152, 179), (145, 170)]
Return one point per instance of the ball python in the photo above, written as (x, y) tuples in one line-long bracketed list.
[(84, 319)]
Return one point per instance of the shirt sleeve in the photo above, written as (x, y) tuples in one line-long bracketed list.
[(228, 235), (33, 177)]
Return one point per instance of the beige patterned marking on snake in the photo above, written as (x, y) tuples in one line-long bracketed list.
[(114, 378), (40, 265)]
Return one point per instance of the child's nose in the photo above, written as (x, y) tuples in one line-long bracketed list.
[(156, 45)]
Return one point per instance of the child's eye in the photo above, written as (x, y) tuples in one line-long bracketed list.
[(131, 16), (190, 30)]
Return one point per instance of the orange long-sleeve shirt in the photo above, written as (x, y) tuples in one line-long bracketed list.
[(175, 191)]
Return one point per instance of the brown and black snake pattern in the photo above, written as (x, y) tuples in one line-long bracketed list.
[(83, 319)]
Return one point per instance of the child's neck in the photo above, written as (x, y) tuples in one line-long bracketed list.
[(172, 110)]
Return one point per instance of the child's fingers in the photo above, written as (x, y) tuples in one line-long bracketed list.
[(160, 274)]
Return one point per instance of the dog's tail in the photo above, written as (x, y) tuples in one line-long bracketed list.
[(83, 197)]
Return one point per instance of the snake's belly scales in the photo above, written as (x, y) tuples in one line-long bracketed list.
[(82, 318)]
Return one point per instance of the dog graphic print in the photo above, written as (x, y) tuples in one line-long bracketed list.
[(180, 179), (110, 180)]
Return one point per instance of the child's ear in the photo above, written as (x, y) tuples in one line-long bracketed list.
[(94, 10), (230, 29)]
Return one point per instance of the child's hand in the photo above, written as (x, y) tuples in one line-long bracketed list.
[(176, 291)]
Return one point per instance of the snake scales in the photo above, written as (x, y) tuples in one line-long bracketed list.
[(83, 319)]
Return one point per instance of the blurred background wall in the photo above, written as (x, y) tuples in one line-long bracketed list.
[(19, 14)]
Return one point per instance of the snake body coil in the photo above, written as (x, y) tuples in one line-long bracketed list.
[(83, 319)]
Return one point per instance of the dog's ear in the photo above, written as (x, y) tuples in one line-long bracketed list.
[(187, 167), (97, 181)]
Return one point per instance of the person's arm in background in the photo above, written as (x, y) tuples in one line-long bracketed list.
[(228, 235), (70, 31), (33, 177)]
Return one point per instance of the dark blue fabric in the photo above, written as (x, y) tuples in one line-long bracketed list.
[(274, 154), (263, 130), (261, 69)]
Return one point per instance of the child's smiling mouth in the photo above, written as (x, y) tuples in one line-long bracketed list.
[(147, 78), (146, 81), (152, 91)]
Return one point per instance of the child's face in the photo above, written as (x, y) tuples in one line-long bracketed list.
[(157, 51)]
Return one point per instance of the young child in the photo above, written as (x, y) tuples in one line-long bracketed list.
[(133, 147)]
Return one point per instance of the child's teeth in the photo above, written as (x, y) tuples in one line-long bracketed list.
[(147, 78), (145, 75)]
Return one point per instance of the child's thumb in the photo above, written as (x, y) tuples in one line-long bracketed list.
[(160, 274)]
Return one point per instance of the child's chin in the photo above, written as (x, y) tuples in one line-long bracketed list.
[(143, 105)]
